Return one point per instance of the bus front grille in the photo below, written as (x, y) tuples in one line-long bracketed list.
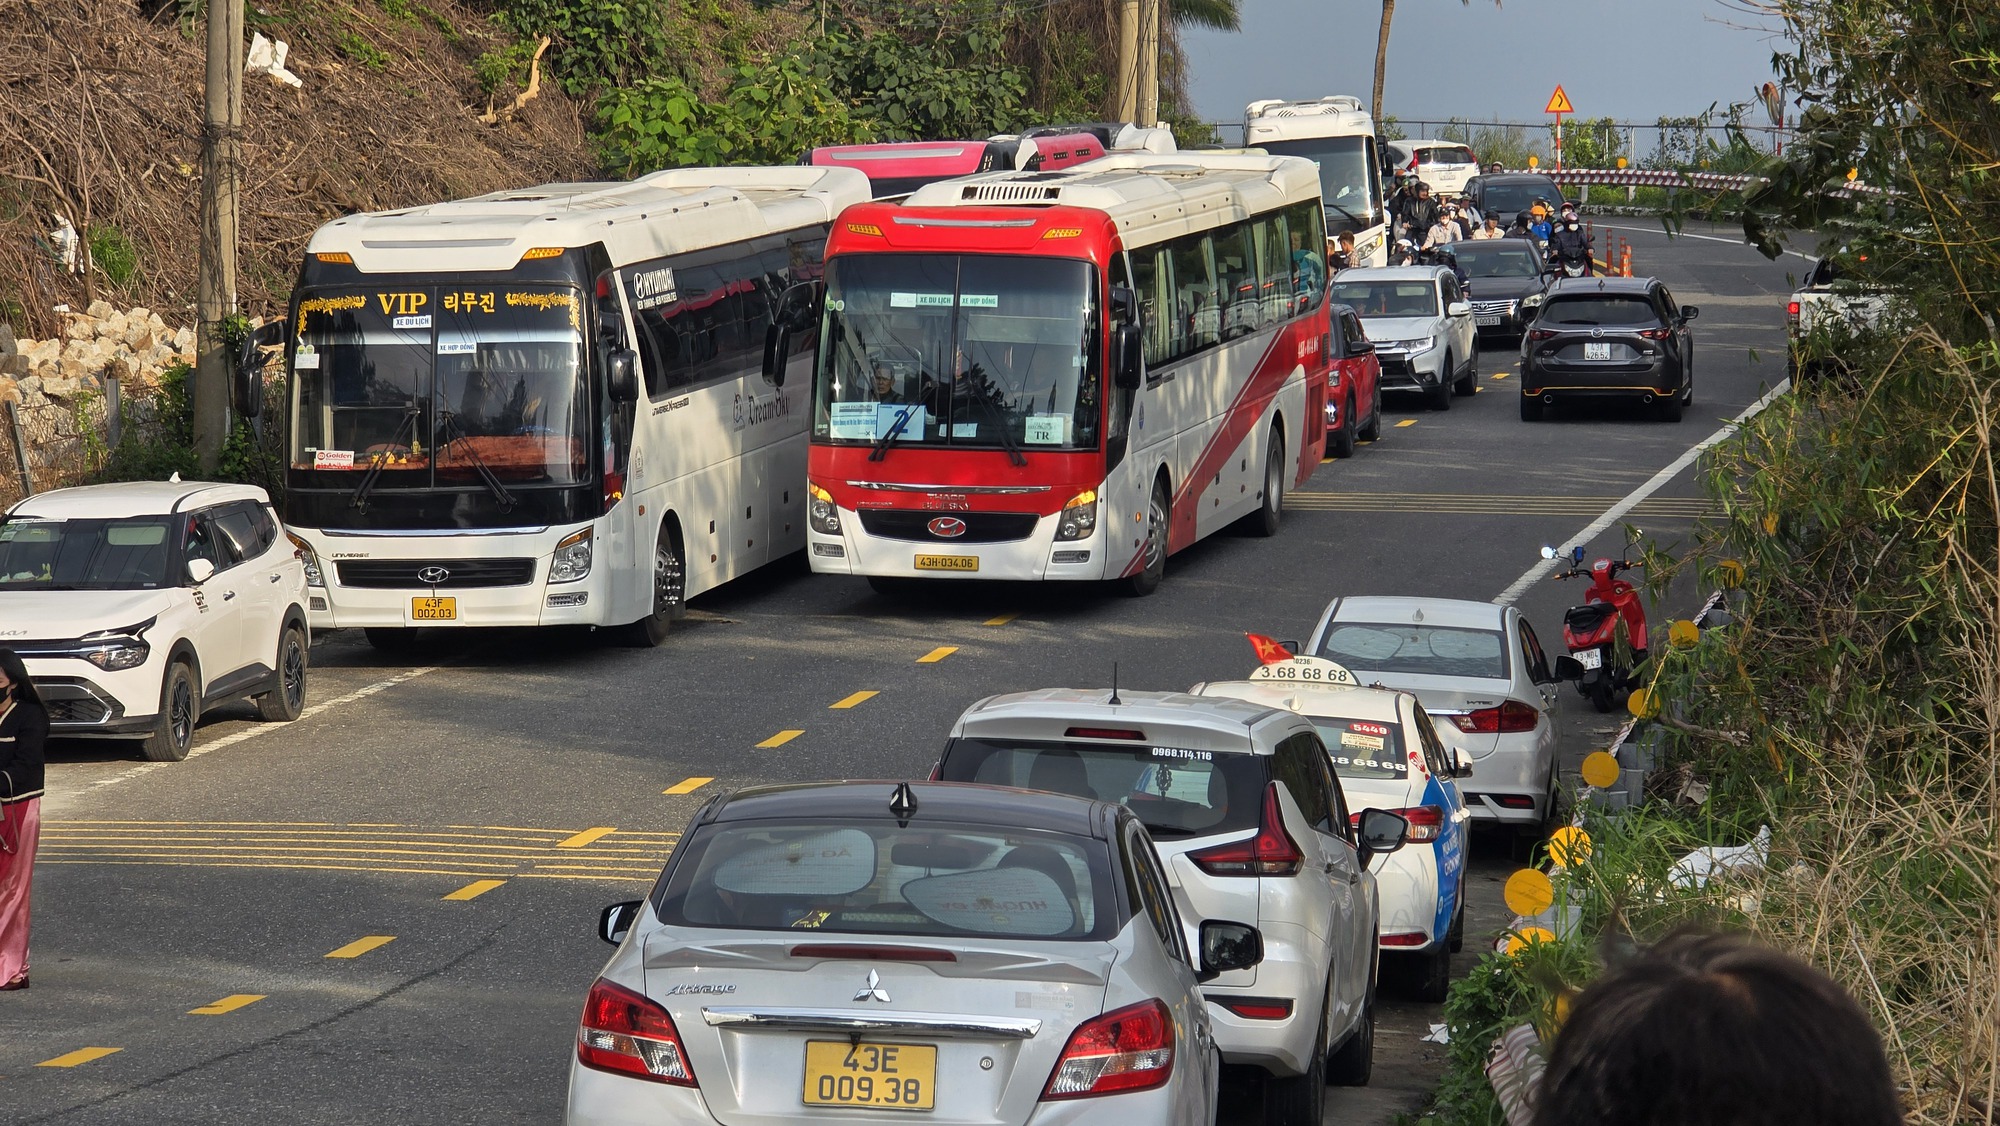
[(925, 525), (435, 574)]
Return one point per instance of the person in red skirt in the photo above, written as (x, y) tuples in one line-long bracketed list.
[(24, 729)]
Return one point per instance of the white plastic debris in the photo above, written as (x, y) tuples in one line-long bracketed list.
[(267, 57), (1438, 1034), (1514, 1068), (1704, 864), (65, 242)]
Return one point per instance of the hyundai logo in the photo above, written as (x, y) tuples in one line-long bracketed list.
[(432, 575), (947, 527)]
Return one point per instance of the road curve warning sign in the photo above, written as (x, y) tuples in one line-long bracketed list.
[(1558, 102)]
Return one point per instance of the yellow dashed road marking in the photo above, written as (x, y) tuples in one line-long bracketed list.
[(687, 785), (1499, 375), (854, 700), (1407, 422), (475, 889), (362, 946), (81, 1055), (937, 654), (228, 1004), (587, 836), (780, 739), (1001, 620)]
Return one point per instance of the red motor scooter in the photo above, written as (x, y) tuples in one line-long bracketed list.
[(1607, 634)]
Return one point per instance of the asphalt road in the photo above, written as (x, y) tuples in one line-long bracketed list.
[(385, 911)]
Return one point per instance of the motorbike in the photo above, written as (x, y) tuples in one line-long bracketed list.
[(1607, 634)]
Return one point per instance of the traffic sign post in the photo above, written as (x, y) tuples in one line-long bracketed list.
[(1559, 105)]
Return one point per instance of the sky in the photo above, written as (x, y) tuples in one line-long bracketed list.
[(1634, 60)]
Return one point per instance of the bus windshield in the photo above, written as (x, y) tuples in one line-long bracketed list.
[(959, 350), (1347, 184), (441, 386)]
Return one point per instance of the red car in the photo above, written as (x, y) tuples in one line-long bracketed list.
[(1353, 381)]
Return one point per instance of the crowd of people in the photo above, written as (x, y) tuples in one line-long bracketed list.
[(1423, 226)]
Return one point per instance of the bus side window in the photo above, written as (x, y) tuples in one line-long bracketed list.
[(1197, 319), (1307, 223), (1155, 287), (1274, 267), (1235, 281)]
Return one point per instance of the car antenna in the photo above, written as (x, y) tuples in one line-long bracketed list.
[(902, 801), (1114, 700)]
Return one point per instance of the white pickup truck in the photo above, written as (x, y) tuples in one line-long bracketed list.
[(1825, 315)]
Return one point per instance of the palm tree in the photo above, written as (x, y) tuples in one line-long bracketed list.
[(1215, 15), (1382, 55)]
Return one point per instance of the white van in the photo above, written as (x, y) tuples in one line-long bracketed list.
[(1444, 165)]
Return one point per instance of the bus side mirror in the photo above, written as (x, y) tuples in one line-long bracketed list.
[(795, 306), (1126, 352), (246, 392), (621, 375), (1124, 305), (777, 348)]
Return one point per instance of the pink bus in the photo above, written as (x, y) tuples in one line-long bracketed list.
[(897, 168)]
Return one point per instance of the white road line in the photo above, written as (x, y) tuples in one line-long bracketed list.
[(1691, 234), (257, 729), (1617, 512)]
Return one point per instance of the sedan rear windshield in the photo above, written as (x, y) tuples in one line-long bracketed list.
[(1419, 649), (867, 877), (1601, 310), (1508, 199), (1173, 791), (1444, 154)]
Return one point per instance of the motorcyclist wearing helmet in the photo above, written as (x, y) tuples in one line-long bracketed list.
[(1420, 214), (1404, 254), (1540, 224), (1568, 245)]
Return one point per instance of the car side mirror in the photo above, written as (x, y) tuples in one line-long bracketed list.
[(1382, 833), (1361, 347), (1459, 767), (1227, 946), (615, 921), (200, 570), (1458, 309), (246, 392), (1130, 372), (621, 375), (1569, 668), (777, 349), (1689, 312)]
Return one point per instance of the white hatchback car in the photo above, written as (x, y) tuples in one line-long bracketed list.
[(1481, 672), (879, 952), (137, 605), (1421, 324), (1387, 754), (1241, 801)]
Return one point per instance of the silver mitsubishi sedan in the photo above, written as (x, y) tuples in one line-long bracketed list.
[(888, 954)]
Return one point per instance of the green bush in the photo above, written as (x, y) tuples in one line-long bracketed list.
[(114, 253)]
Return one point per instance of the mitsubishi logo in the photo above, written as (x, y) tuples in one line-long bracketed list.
[(947, 527), (872, 991), (432, 575)]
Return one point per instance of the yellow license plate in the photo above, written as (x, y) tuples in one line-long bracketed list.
[(947, 562), (434, 609), (883, 1076)]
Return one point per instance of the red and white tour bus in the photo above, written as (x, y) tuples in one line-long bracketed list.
[(1068, 375), (897, 168)]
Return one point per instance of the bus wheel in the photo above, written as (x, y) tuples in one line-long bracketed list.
[(669, 585), (1264, 522), (1155, 550)]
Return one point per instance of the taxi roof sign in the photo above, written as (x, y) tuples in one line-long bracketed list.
[(1558, 102), (1306, 670)]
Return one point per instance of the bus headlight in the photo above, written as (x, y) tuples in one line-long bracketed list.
[(1079, 517), (821, 513), (310, 559), (572, 558)]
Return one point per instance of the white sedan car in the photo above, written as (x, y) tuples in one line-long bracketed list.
[(860, 952), (1481, 673), (1421, 324)]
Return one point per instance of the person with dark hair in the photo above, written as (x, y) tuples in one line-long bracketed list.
[(1716, 1029), (24, 729)]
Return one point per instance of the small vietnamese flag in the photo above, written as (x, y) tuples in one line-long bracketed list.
[(1269, 649)]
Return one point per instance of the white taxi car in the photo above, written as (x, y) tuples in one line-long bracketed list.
[(1241, 801), (138, 605), (1387, 754)]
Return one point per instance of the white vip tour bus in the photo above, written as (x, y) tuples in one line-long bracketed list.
[(1338, 135), (575, 404)]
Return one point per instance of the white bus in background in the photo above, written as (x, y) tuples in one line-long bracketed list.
[(1338, 135), (561, 405)]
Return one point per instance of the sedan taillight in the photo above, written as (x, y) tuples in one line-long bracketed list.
[(627, 1034), (1128, 1049), (1510, 717)]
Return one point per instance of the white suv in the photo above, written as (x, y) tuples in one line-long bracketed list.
[(1243, 806), (1421, 324), (138, 605)]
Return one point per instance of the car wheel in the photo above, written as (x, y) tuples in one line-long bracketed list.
[(391, 639), (1373, 431), (1432, 972), (1602, 691), (1354, 1061), (1155, 549), (1438, 398), (180, 709), (1341, 443), (669, 589), (1265, 521), (1669, 408), (1300, 1100), (284, 703), (1457, 937), (1468, 384), (1531, 409)]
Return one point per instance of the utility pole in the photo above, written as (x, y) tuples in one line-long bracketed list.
[(1126, 107), (215, 298), (1149, 64)]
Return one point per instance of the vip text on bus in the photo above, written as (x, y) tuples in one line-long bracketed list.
[(1338, 135), (1068, 375), (563, 405)]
